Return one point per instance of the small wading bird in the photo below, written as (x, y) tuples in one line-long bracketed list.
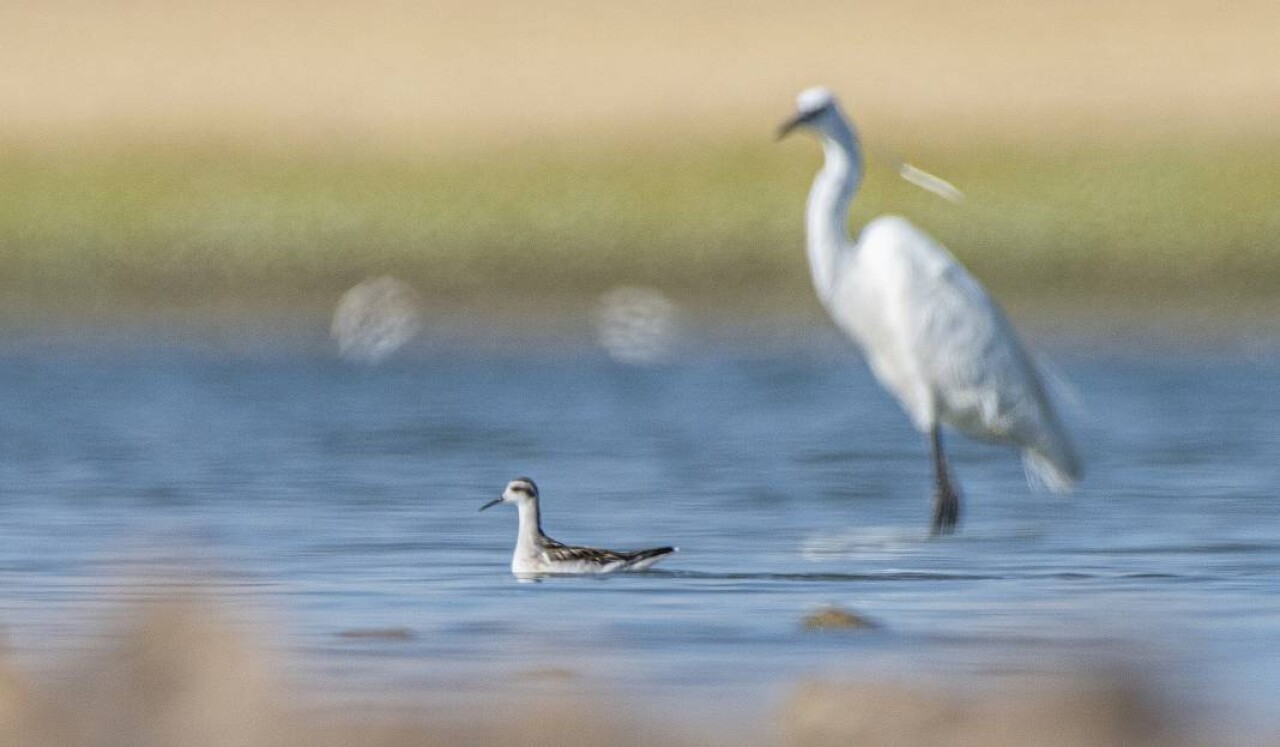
[(538, 554), (929, 331)]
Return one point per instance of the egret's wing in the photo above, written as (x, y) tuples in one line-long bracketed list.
[(1061, 388), (950, 349)]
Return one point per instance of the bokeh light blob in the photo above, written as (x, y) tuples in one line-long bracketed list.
[(375, 319)]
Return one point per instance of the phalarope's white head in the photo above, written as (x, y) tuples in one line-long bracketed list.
[(538, 554)]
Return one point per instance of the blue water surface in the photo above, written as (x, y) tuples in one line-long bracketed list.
[(328, 498)]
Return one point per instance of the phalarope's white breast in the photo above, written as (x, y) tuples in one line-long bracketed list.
[(536, 553)]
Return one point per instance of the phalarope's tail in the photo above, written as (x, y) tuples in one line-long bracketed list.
[(641, 559)]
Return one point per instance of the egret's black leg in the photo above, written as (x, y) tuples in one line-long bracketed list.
[(946, 496)]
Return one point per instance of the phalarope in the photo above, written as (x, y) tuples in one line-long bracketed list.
[(536, 553)]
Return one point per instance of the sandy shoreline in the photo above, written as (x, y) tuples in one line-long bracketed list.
[(495, 70)]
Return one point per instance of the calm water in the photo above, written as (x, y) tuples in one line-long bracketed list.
[(327, 498)]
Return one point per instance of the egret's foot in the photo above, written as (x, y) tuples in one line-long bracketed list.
[(946, 510)]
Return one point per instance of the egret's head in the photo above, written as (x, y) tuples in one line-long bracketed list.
[(518, 490), (816, 108)]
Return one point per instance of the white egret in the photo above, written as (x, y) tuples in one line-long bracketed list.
[(931, 334)]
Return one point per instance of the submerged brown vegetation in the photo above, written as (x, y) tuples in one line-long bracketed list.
[(181, 676)]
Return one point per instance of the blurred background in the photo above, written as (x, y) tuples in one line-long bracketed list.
[(288, 290), (160, 155)]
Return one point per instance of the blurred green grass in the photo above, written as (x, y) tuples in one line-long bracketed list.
[(714, 225)]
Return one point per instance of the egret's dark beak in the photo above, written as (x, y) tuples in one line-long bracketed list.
[(491, 503), (786, 127)]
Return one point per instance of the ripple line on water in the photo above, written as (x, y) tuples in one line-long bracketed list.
[(1219, 548), (824, 576)]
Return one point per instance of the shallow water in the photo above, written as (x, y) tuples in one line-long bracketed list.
[(328, 498)]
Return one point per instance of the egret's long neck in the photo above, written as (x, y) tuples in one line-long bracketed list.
[(826, 220), (530, 522)]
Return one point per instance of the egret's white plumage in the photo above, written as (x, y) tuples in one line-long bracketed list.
[(536, 554), (930, 332)]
